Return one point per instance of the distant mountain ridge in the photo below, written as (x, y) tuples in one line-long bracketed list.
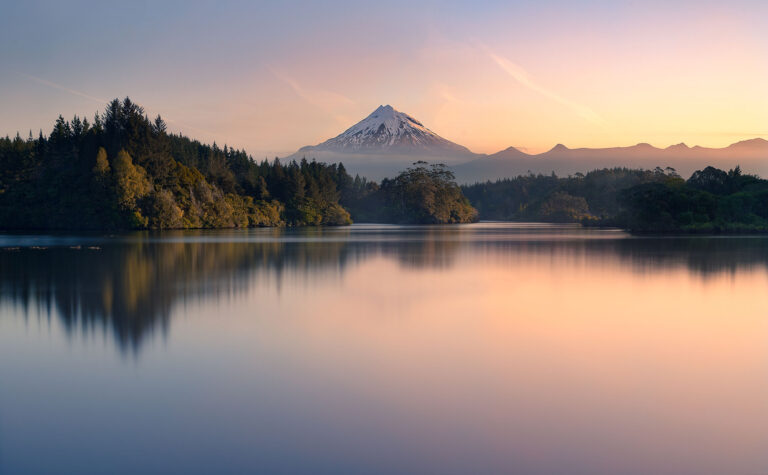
[(751, 155), (757, 146), (387, 141)]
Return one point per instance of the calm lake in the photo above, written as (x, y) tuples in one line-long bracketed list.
[(484, 348)]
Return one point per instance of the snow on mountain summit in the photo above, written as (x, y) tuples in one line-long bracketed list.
[(387, 130)]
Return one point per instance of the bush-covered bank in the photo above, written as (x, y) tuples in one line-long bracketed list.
[(643, 201), (711, 201)]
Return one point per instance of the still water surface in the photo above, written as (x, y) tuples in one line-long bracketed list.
[(486, 348)]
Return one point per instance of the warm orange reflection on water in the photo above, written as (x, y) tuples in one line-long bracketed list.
[(534, 363), (477, 354)]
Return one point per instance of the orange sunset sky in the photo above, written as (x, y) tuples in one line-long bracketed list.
[(271, 77)]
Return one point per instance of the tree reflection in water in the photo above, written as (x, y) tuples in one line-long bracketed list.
[(128, 285)]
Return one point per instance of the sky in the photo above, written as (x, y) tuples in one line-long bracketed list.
[(271, 77)]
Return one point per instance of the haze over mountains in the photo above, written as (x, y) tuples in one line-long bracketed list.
[(387, 141), (751, 155)]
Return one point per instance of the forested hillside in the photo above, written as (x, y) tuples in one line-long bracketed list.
[(123, 171)]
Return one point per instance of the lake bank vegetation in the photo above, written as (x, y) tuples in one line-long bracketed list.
[(643, 201)]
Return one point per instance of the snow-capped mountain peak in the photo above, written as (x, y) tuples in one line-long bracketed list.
[(387, 130), (386, 121)]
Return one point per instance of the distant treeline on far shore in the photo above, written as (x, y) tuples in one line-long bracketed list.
[(710, 201)]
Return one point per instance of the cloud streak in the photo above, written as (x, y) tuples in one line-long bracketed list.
[(53, 85), (327, 101), (526, 80)]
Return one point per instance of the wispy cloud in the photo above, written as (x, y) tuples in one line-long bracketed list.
[(525, 79), (328, 101), (53, 85), (180, 125)]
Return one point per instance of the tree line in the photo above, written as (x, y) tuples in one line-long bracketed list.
[(711, 200), (658, 200), (551, 198), (124, 171)]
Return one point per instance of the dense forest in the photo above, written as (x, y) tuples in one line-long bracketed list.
[(711, 200), (552, 199), (125, 171), (658, 200)]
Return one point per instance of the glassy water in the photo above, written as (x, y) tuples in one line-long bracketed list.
[(486, 348)]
